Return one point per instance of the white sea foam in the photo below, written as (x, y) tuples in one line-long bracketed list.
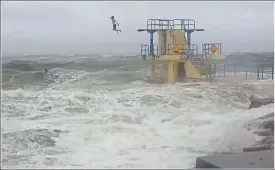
[(136, 125)]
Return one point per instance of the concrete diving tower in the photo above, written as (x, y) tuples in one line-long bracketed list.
[(174, 51)]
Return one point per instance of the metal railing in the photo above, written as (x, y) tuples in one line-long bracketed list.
[(206, 48), (145, 50), (167, 24), (166, 49), (257, 71)]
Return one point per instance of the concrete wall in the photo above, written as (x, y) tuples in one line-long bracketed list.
[(249, 160), (170, 62), (170, 37), (179, 37), (191, 70), (164, 37), (170, 70), (162, 42)]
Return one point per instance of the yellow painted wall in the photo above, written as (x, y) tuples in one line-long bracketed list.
[(170, 40), (180, 37), (170, 37), (217, 56), (162, 42), (170, 71), (169, 57), (176, 67), (191, 70), (170, 62), (175, 37), (165, 71)]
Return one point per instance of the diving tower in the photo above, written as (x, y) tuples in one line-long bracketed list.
[(175, 52)]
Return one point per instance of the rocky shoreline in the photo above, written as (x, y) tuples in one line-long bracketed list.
[(264, 127), (259, 155)]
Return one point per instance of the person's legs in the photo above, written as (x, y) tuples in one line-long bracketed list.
[(114, 28), (118, 31)]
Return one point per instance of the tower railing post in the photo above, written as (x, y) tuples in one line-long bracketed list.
[(151, 43), (245, 71), (272, 71), (262, 71), (234, 70), (258, 71), (223, 70)]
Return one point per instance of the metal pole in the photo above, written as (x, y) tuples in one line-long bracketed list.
[(272, 71), (223, 70), (234, 70), (215, 70), (245, 71), (151, 43), (189, 39), (258, 72), (262, 71)]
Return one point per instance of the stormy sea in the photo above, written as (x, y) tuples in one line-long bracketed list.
[(101, 112)]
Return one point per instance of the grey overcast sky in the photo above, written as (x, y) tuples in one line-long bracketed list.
[(85, 27)]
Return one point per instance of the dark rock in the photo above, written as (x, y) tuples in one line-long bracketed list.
[(13, 142), (42, 140), (258, 148), (268, 124), (60, 131), (57, 130), (270, 115), (266, 143), (260, 102), (264, 122), (265, 127), (165, 120), (248, 127), (267, 140), (264, 133)]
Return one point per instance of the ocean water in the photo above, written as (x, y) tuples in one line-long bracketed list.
[(100, 112)]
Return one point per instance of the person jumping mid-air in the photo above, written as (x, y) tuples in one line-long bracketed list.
[(114, 22)]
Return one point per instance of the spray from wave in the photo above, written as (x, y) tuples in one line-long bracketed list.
[(93, 113)]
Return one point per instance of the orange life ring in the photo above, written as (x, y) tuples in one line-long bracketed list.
[(176, 48), (213, 48)]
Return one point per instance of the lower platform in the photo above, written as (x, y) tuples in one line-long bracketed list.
[(176, 69)]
